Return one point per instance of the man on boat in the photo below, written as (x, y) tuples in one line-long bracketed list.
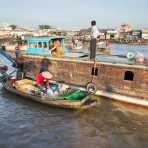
[(73, 42), (93, 42), (17, 52), (19, 62)]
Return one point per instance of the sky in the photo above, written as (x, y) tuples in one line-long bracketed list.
[(75, 13)]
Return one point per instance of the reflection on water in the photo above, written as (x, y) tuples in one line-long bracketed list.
[(28, 124), (24, 123)]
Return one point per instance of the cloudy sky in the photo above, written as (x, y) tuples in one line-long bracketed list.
[(74, 13)]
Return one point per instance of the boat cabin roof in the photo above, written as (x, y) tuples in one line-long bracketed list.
[(42, 39)]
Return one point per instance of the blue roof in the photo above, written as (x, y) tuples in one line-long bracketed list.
[(42, 39)]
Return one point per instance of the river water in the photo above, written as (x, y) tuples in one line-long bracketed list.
[(123, 49), (27, 124)]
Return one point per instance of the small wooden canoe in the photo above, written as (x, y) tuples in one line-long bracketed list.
[(84, 103)]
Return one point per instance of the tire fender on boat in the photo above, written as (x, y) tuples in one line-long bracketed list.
[(91, 88)]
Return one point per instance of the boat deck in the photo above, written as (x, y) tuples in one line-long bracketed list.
[(104, 59), (114, 59)]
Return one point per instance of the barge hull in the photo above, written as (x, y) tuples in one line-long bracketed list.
[(122, 98), (127, 81)]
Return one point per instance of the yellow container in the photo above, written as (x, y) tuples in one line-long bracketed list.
[(22, 82)]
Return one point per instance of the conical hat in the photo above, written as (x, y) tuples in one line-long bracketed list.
[(47, 75)]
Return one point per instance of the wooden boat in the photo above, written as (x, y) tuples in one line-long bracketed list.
[(84, 103)]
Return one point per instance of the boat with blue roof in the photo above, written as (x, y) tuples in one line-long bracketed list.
[(46, 46)]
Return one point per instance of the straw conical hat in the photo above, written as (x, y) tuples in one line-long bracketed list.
[(47, 75)]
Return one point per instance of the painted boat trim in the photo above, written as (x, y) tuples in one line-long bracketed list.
[(121, 98)]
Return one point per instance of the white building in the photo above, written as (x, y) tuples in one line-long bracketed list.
[(112, 34), (5, 26), (145, 33)]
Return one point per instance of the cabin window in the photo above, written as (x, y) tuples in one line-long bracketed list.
[(94, 71), (36, 45), (50, 45), (129, 76), (31, 45), (44, 45), (40, 44), (112, 36)]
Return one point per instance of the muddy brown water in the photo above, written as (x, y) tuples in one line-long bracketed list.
[(25, 123)]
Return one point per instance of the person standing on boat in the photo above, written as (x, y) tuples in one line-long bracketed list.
[(19, 62), (73, 42), (17, 52), (93, 43)]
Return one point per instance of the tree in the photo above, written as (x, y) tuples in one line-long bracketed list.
[(42, 27), (13, 27)]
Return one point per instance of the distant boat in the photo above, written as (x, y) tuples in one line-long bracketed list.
[(78, 47), (42, 45), (103, 48)]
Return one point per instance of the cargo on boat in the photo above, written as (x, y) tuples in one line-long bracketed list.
[(74, 99)]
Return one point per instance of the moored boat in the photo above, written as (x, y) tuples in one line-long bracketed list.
[(46, 46), (103, 48), (84, 102)]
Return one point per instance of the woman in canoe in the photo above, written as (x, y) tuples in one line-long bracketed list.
[(42, 80)]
